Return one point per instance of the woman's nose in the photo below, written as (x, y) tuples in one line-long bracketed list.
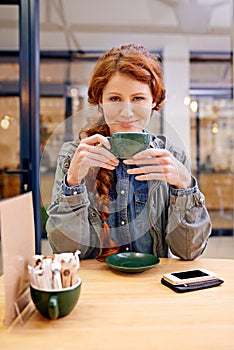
[(126, 110)]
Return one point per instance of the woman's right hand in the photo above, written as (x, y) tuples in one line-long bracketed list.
[(90, 153)]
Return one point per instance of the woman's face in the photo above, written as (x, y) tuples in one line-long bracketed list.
[(127, 104)]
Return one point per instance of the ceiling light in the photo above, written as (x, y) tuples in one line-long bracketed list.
[(194, 106), (5, 122), (187, 100), (214, 128)]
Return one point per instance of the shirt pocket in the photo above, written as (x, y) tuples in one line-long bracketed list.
[(140, 201)]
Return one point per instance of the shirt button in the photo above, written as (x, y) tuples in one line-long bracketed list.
[(66, 165), (122, 192), (122, 222)]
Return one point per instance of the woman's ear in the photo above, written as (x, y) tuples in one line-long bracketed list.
[(154, 104), (100, 108)]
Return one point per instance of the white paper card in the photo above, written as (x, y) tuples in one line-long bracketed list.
[(18, 247)]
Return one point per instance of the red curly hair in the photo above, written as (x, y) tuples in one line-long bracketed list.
[(134, 61)]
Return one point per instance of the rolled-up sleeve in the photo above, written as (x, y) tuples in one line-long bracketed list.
[(189, 225)]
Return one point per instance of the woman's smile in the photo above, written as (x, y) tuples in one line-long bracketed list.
[(127, 124)]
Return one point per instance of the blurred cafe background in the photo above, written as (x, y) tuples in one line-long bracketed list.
[(47, 51)]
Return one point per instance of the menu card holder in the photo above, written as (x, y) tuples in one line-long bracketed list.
[(18, 248), (23, 306)]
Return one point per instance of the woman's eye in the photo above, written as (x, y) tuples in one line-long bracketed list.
[(115, 99), (138, 98)]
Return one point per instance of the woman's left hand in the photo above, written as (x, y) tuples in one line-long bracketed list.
[(159, 164)]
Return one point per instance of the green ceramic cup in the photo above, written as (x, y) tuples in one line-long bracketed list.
[(54, 304), (126, 144)]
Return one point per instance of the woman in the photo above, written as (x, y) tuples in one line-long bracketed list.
[(149, 203)]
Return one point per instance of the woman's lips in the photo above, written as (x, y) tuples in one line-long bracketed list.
[(125, 124)]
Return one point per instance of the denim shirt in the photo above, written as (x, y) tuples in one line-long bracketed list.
[(129, 199)]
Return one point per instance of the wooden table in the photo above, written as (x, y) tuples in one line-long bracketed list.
[(118, 311)]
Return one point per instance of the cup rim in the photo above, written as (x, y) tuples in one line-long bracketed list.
[(130, 132), (58, 290)]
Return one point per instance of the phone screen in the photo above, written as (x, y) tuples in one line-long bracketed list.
[(189, 274)]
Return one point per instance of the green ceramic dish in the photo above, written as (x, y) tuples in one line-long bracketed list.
[(131, 262)]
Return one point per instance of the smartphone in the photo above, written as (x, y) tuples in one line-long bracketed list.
[(189, 276)]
